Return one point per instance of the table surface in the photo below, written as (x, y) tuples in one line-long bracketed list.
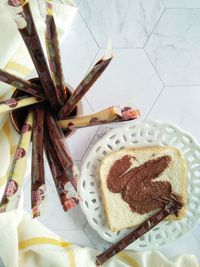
[(156, 67)]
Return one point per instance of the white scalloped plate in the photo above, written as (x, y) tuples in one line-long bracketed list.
[(143, 133)]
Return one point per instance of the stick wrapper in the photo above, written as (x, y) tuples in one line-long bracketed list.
[(38, 187), (57, 139), (66, 192), (21, 12), (52, 45), (18, 102), (21, 84), (171, 207), (13, 188), (109, 115)]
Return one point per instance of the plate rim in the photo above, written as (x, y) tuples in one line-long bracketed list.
[(114, 130)]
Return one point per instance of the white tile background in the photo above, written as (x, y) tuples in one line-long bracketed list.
[(156, 67)]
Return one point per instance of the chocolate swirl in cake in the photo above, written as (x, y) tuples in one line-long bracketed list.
[(137, 185)]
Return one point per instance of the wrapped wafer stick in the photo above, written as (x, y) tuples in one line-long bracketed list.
[(57, 139), (24, 20), (109, 115), (171, 207), (66, 192), (21, 84), (38, 188), (84, 86), (54, 58), (13, 188), (18, 102)]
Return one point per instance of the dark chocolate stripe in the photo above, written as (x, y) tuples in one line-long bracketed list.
[(53, 50), (31, 39), (170, 208), (37, 167), (83, 87), (59, 174), (21, 84), (57, 139)]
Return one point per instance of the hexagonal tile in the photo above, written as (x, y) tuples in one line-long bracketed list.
[(126, 23), (128, 80), (181, 3), (179, 105), (185, 245), (174, 47), (78, 50), (53, 215)]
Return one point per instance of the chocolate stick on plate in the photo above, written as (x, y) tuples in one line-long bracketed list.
[(21, 84), (14, 184), (109, 115), (57, 139), (85, 85), (26, 26), (52, 45), (18, 102), (38, 187), (171, 207), (67, 193)]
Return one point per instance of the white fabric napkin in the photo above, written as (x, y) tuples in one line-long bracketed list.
[(25, 242), (30, 244)]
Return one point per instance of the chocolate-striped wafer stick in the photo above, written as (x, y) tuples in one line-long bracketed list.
[(66, 192), (21, 84), (13, 188), (38, 188), (18, 102), (24, 20), (109, 115), (57, 139), (84, 86), (171, 207), (52, 45)]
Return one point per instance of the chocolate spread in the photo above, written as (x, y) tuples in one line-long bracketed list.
[(137, 185)]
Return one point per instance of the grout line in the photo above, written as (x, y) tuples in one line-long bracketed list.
[(163, 3), (183, 8), (88, 29), (89, 144), (182, 85), (88, 237), (124, 47), (78, 3), (146, 117), (93, 60), (85, 225), (154, 27), (89, 104), (87, 72), (153, 66)]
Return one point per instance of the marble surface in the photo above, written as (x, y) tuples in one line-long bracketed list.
[(181, 3), (129, 77), (174, 47), (112, 19), (156, 67)]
